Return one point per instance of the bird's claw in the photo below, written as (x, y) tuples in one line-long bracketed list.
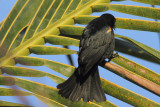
[(113, 56)]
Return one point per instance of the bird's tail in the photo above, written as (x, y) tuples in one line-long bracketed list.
[(88, 88)]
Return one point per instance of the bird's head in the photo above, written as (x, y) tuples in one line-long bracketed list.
[(109, 20)]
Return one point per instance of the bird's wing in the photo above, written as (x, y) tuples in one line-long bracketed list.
[(92, 48)]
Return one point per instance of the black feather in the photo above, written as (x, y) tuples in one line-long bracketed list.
[(96, 44)]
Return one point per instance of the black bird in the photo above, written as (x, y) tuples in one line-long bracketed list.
[(97, 43)]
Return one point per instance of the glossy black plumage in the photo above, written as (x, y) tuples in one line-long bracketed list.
[(97, 43)]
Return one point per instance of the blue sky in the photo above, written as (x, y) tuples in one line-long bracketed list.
[(149, 38)]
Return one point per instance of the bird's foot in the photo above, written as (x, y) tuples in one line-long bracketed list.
[(113, 56)]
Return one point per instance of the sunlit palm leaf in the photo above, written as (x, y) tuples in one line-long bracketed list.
[(50, 50), (12, 92), (1, 23), (6, 103), (50, 12), (47, 92), (60, 40), (126, 95), (18, 19), (148, 12), (138, 69), (134, 77), (153, 2), (41, 22), (125, 23)]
